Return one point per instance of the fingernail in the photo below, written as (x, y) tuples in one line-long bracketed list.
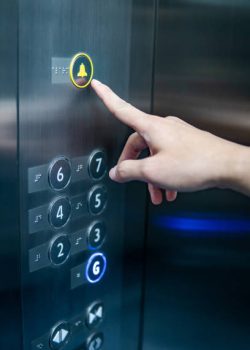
[(96, 82), (112, 173)]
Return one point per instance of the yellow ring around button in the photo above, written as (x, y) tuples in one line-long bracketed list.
[(71, 68)]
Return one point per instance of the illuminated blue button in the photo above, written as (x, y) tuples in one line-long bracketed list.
[(95, 268)]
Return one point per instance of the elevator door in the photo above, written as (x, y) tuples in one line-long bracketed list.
[(73, 229)]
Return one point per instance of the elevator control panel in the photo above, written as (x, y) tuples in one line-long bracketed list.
[(67, 237)]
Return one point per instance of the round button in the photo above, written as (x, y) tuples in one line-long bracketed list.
[(60, 336), (60, 211), (81, 70), (97, 165), (96, 267), (97, 199), (59, 174), (95, 342), (95, 314), (96, 235), (59, 249)]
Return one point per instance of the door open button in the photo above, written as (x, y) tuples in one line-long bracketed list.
[(60, 336)]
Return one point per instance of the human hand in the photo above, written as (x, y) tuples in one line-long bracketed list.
[(182, 157)]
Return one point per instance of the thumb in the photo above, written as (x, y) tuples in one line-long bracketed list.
[(129, 170)]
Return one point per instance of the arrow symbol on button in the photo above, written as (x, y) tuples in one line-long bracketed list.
[(95, 314), (99, 312), (60, 336)]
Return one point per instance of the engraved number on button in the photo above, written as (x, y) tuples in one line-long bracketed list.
[(98, 201), (59, 213), (97, 235), (99, 163), (60, 246), (60, 176), (96, 268)]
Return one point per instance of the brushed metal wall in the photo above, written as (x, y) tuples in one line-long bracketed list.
[(198, 251)]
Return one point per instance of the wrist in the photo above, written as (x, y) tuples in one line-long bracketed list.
[(235, 169)]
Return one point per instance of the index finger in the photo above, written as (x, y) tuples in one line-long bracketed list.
[(124, 111)]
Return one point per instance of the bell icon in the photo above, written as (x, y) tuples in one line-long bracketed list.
[(82, 71)]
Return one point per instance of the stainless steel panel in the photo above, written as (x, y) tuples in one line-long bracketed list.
[(197, 286), (10, 300), (57, 119)]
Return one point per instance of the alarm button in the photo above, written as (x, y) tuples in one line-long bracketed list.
[(81, 70), (96, 235), (97, 199), (59, 212), (95, 315), (60, 336), (59, 250), (97, 165), (59, 173), (95, 268)]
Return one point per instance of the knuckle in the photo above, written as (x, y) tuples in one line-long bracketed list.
[(133, 137), (146, 170)]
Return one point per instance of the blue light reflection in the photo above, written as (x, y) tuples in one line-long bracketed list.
[(189, 225)]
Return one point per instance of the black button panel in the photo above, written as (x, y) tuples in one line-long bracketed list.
[(38, 219), (38, 257), (58, 174), (79, 169), (55, 220), (64, 332), (41, 343), (78, 241), (37, 179), (79, 206), (94, 315)]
